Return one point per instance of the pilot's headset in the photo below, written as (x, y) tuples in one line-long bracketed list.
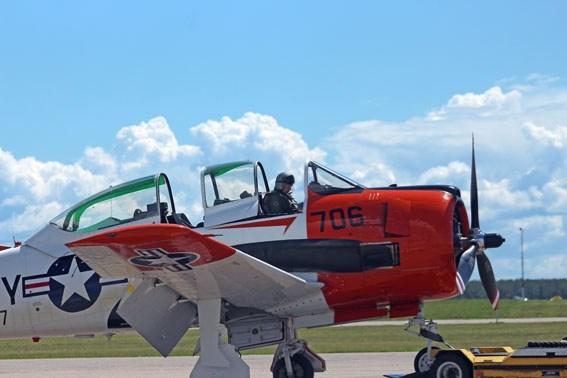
[(284, 178)]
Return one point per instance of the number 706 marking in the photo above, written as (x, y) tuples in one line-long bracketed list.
[(338, 219)]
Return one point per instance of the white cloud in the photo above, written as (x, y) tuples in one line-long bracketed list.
[(556, 138), (493, 97), (15, 200), (372, 175), (98, 160), (444, 174), (532, 82), (255, 135), (42, 180), (556, 193), (139, 144), (490, 103), (33, 192), (501, 194), (33, 217), (544, 226)]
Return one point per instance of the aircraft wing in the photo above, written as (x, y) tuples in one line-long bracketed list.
[(199, 267)]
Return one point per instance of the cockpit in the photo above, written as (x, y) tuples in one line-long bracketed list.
[(230, 192), (145, 200), (235, 191)]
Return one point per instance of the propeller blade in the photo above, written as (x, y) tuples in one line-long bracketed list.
[(480, 242), (488, 281), (465, 268), (474, 192)]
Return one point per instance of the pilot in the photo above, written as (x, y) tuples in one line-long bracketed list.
[(280, 200)]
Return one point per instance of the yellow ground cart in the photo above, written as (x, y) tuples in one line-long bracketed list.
[(537, 359)]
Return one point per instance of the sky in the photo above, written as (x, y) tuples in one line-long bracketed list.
[(95, 93)]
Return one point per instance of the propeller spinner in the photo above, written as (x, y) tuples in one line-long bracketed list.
[(478, 242)]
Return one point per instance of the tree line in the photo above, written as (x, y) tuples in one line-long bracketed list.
[(533, 289)]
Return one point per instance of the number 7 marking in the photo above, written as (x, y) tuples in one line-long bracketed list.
[(5, 315)]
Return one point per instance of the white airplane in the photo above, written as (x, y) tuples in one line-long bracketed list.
[(125, 259)]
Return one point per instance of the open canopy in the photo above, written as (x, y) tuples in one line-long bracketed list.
[(127, 202)]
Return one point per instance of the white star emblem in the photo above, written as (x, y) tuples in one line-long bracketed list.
[(74, 282), (162, 261)]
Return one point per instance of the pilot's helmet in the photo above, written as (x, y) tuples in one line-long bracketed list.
[(284, 178)]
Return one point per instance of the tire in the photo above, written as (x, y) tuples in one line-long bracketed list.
[(422, 363), (301, 366), (451, 365)]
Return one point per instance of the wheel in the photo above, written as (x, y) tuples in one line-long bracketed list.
[(451, 365), (300, 364), (422, 362)]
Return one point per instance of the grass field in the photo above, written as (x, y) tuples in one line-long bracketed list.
[(339, 339), (481, 309)]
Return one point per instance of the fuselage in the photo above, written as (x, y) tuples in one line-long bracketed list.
[(377, 252)]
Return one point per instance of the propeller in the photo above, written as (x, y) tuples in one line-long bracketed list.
[(478, 242)]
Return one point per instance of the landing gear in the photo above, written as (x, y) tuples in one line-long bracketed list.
[(423, 361), (217, 359), (301, 368), (294, 359)]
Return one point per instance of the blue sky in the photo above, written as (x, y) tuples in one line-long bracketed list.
[(94, 93)]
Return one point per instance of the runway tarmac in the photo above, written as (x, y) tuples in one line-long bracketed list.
[(339, 365)]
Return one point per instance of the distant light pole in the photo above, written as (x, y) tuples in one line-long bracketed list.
[(522, 256)]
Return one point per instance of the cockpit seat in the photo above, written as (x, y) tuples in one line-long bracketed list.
[(180, 218)]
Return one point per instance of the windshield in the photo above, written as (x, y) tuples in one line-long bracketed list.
[(131, 201), (229, 182), (324, 180)]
